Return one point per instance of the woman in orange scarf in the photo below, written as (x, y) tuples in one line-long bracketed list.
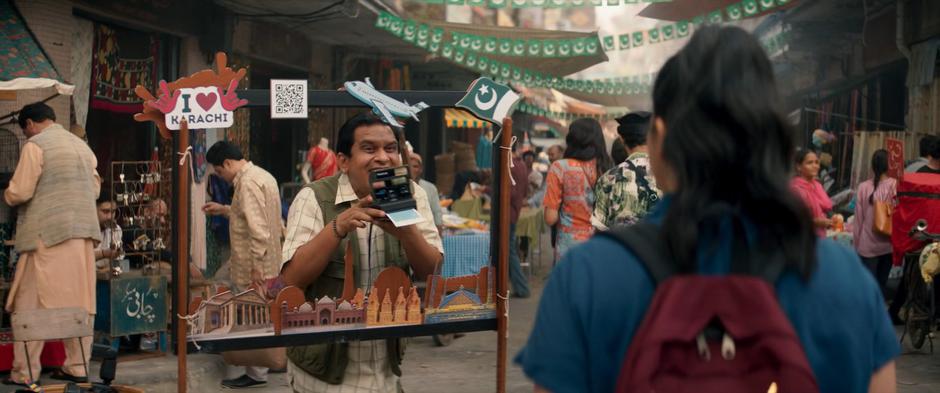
[(805, 185)]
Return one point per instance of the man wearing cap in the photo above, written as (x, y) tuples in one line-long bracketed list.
[(627, 191)]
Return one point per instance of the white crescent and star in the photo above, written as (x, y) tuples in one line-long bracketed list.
[(485, 105)]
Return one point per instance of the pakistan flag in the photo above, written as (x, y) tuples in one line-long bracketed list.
[(488, 100)]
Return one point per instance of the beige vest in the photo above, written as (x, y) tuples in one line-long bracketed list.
[(63, 206)]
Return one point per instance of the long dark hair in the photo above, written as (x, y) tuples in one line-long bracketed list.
[(585, 142), (879, 165), (730, 148)]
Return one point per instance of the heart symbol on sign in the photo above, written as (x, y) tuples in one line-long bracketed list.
[(206, 101)]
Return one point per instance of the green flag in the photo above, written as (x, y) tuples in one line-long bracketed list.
[(613, 2), (384, 20), (471, 60), (438, 35), (505, 46), (448, 51), (592, 46), (767, 4), (682, 28), (535, 47), (578, 48), (489, 45), (625, 41), (734, 12), (750, 7), (637, 39), (669, 32), (527, 77), (609, 43), (455, 2), (483, 63), (548, 48), (494, 68), (564, 48), (518, 48), (476, 43), (519, 3), (698, 20), (460, 55), (654, 35), (488, 100), (715, 17), (497, 3)]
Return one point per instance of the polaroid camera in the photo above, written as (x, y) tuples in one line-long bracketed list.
[(391, 189)]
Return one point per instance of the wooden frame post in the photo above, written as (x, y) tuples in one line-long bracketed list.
[(502, 254), (182, 252)]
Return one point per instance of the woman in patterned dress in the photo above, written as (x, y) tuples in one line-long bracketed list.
[(569, 192)]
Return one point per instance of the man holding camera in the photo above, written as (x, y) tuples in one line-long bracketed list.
[(332, 223)]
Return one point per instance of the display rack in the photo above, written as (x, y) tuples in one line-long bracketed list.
[(135, 187)]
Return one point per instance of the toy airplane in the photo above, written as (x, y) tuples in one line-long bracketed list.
[(383, 105)]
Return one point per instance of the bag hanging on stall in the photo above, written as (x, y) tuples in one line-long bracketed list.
[(883, 212)]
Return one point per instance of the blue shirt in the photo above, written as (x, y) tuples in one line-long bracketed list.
[(592, 306)]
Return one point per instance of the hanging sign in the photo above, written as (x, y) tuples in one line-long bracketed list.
[(203, 100), (895, 148), (201, 108)]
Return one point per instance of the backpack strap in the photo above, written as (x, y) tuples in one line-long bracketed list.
[(645, 241)]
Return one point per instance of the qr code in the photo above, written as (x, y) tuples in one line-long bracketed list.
[(288, 99)]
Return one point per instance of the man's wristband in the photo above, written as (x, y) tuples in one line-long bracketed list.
[(336, 231)]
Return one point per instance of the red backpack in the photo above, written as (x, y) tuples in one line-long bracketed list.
[(706, 334)]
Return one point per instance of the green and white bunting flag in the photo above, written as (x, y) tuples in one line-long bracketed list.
[(497, 3), (654, 35), (476, 3), (476, 43), (750, 7), (410, 31), (489, 45), (625, 41), (592, 46), (438, 35), (483, 63), (454, 2), (637, 39), (682, 28), (548, 48), (448, 51), (698, 21), (384, 21), (564, 48), (609, 43), (494, 68), (460, 56), (535, 47), (613, 2), (505, 46), (471, 60), (488, 100), (715, 17), (669, 32), (518, 48), (734, 12), (767, 4), (578, 47)]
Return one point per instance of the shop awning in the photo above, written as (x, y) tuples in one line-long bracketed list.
[(458, 118), (23, 64)]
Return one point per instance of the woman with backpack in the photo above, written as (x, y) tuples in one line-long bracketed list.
[(805, 185), (724, 287), (871, 230), (569, 187)]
